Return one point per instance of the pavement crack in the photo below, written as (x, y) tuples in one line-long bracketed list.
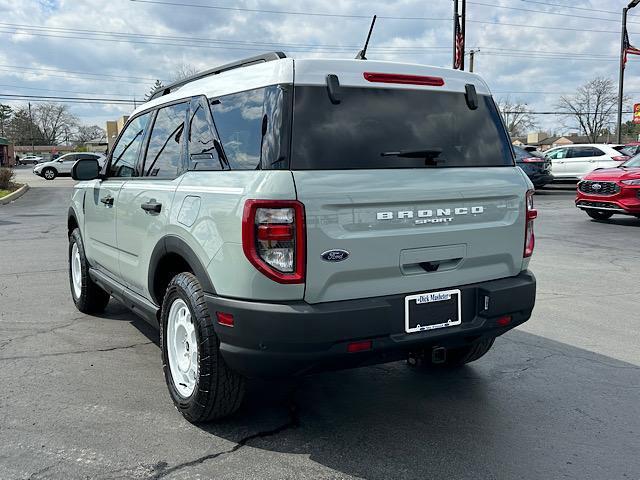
[(41, 332), (75, 352), (292, 422)]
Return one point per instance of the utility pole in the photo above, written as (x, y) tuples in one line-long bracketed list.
[(471, 58), (31, 129), (623, 48)]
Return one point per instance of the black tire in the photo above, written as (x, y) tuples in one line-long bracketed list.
[(92, 298), (218, 390), (456, 357), (599, 214), (49, 173)]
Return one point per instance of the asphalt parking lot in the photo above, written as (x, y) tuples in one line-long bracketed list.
[(559, 397)]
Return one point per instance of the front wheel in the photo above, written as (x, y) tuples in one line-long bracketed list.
[(200, 383), (599, 214), (49, 173), (87, 296)]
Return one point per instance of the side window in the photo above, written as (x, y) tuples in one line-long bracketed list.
[(71, 158), (580, 152), (202, 149), (164, 158), (596, 152), (125, 153), (560, 153), (239, 121)]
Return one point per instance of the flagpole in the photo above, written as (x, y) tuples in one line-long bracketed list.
[(463, 28), (455, 30), (621, 74)]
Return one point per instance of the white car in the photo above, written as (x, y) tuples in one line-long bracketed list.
[(62, 165), (33, 159), (572, 162)]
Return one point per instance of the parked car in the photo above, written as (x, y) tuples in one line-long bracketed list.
[(535, 165), (605, 192), (632, 148), (30, 160), (61, 166), (572, 162), (276, 227)]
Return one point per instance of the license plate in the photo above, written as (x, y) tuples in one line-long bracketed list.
[(428, 311)]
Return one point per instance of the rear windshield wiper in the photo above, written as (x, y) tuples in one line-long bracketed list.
[(430, 155)]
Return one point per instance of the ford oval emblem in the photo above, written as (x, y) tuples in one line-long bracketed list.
[(335, 255)]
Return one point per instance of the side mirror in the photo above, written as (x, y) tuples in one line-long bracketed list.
[(87, 169)]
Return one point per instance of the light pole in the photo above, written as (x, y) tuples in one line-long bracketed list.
[(623, 48)]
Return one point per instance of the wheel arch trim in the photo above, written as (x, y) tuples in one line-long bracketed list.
[(172, 244)]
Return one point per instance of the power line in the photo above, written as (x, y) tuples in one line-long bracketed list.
[(572, 7), (76, 72), (558, 113), (284, 12), (59, 91), (62, 99), (572, 15)]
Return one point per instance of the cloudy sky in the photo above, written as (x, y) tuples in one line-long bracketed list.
[(532, 51)]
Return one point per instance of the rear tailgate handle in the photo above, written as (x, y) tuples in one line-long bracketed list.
[(432, 259), (152, 207)]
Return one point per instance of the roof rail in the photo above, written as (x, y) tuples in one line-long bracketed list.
[(265, 57)]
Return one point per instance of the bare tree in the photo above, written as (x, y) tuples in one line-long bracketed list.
[(86, 133), (183, 71), (156, 86), (517, 116), (54, 121), (22, 131), (592, 107), (5, 116)]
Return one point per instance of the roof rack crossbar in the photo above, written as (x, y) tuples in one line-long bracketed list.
[(265, 57)]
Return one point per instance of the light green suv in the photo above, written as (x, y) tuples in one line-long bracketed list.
[(278, 217)]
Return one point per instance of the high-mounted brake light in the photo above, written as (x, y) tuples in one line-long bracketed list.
[(531, 215), (273, 238), (533, 160), (403, 79)]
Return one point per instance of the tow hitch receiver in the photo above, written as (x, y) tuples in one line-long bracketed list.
[(438, 355)]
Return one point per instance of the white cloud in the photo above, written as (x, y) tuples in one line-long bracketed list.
[(505, 70)]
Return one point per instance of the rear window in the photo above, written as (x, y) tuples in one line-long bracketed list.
[(395, 128)]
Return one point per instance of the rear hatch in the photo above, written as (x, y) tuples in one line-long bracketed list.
[(420, 189)]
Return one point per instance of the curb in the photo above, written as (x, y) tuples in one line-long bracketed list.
[(14, 195)]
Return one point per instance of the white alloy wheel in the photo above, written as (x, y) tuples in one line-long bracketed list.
[(76, 270), (182, 348)]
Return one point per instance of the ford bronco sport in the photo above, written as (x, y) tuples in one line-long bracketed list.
[(278, 217)]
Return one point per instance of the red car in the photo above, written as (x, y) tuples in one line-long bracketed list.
[(606, 191)]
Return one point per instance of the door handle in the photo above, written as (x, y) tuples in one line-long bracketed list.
[(151, 206), (108, 200), (592, 161)]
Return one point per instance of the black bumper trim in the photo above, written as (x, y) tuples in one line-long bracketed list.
[(295, 338)]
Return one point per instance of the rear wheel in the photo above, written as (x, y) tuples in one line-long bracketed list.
[(200, 383), (49, 173), (87, 296), (599, 214)]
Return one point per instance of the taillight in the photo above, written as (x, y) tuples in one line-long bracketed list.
[(620, 158), (273, 238), (403, 79), (531, 215), (533, 160)]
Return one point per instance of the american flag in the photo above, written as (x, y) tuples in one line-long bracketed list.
[(628, 48), (459, 52)]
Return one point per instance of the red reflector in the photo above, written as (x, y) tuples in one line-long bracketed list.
[(225, 319), (532, 214), (620, 158), (361, 346), (504, 321), (403, 79), (275, 232), (533, 160)]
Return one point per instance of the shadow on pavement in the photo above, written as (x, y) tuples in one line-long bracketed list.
[(532, 408)]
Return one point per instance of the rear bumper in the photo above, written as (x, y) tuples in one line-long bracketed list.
[(288, 339)]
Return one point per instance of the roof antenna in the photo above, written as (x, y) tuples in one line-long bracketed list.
[(362, 53)]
